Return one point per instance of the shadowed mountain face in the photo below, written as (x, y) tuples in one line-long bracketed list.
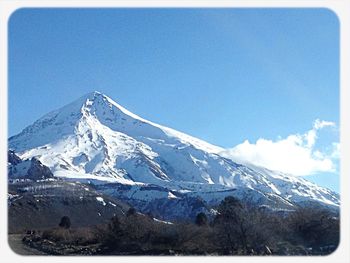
[(31, 169), (95, 140)]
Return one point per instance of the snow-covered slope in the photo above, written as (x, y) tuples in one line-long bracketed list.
[(96, 139)]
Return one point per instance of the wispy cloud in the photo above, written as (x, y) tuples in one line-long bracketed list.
[(295, 154)]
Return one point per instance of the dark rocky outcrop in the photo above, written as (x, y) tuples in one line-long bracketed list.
[(12, 158), (31, 169), (38, 171)]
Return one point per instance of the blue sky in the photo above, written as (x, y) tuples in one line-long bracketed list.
[(223, 75)]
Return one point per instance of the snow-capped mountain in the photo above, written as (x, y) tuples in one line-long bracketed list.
[(95, 139)]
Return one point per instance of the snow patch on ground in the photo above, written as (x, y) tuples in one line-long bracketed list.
[(100, 199), (172, 196), (161, 221)]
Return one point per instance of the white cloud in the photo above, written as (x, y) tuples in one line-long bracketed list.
[(311, 135), (319, 124), (336, 150), (295, 154)]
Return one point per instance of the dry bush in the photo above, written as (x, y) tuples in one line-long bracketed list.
[(238, 229), (314, 227), (79, 236)]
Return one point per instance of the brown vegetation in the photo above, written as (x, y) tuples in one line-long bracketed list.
[(237, 229)]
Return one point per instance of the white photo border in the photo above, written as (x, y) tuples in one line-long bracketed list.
[(340, 7)]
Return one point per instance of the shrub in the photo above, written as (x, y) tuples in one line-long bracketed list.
[(80, 236), (65, 222), (201, 219), (131, 211)]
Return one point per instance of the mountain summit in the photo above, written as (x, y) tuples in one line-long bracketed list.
[(95, 139)]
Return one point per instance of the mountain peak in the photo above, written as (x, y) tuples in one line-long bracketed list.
[(101, 104), (90, 109), (98, 106), (93, 95)]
